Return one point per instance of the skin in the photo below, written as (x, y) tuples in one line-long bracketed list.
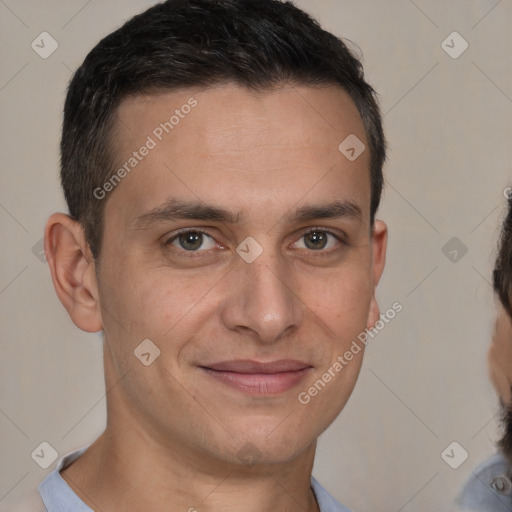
[(500, 356), (174, 434)]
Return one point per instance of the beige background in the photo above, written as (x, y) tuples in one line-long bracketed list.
[(424, 380)]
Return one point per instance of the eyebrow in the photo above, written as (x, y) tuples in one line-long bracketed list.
[(175, 209)]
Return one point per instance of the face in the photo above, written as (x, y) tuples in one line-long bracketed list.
[(500, 356), (240, 244), (500, 369)]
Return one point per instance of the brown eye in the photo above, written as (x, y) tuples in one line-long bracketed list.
[(319, 240), (316, 240), (192, 241)]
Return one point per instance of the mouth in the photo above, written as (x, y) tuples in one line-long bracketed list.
[(258, 378)]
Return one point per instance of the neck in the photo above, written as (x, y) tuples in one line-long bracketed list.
[(128, 469)]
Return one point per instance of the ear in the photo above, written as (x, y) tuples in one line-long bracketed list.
[(379, 246), (73, 271)]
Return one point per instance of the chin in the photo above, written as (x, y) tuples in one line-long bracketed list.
[(276, 448), (250, 449)]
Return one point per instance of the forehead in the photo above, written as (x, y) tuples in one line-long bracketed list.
[(235, 144), (327, 110)]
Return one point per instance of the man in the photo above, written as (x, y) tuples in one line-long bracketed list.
[(222, 164), (489, 488)]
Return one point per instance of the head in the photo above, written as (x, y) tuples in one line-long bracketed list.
[(500, 351), (213, 213)]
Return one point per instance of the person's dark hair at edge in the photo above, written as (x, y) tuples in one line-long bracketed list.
[(259, 44), (502, 284), (502, 275)]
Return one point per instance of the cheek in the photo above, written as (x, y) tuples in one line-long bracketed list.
[(339, 298), (155, 304)]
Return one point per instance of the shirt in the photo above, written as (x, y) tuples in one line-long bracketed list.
[(55, 495), (489, 489)]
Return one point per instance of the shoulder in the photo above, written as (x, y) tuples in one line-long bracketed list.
[(489, 488), (326, 502)]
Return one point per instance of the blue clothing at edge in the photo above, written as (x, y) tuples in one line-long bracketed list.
[(489, 489)]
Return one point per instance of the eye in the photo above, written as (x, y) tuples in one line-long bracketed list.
[(192, 241), (318, 240)]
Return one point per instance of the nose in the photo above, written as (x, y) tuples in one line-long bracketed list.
[(262, 301)]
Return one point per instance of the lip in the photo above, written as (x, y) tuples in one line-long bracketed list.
[(259, 378)]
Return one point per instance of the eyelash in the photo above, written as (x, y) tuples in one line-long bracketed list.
[(192, 254)]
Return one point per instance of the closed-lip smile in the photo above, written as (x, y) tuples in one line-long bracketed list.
[(257, 377)]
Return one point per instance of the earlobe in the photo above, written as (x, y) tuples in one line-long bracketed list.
[(73, 271)]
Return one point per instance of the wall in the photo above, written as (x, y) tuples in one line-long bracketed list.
[(424, 380)]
